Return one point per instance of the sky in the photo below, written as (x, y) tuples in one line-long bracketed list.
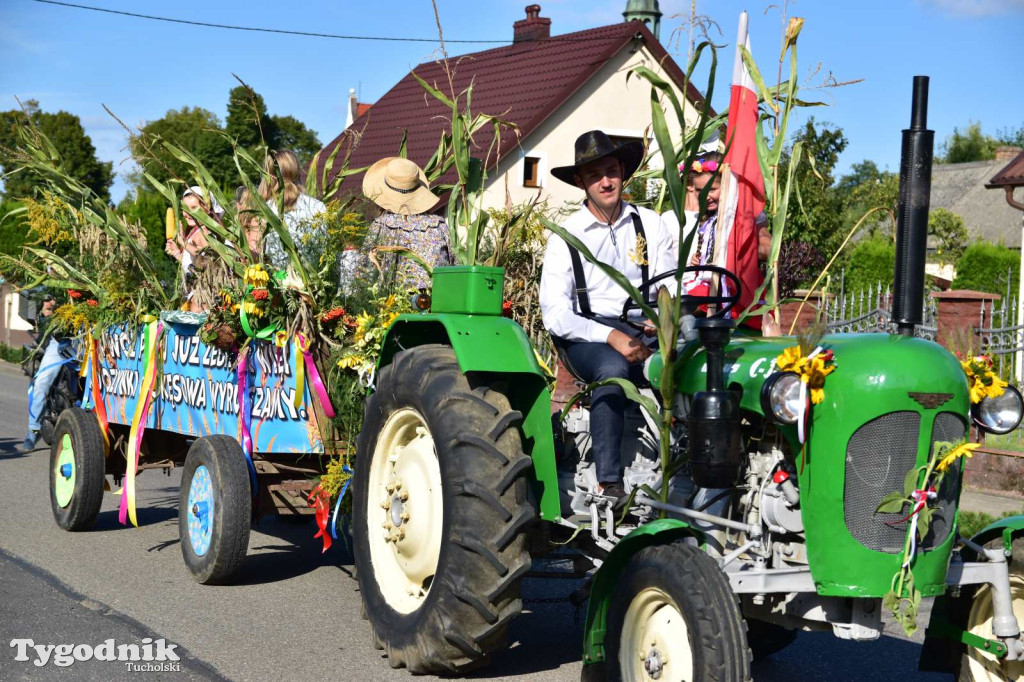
[(78, 60)]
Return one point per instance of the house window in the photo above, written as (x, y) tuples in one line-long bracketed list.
[(531, 171)]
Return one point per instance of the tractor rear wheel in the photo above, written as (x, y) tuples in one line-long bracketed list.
[(673, 616), (441, 509)]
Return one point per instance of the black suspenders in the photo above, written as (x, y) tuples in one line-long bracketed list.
[(582, 293)]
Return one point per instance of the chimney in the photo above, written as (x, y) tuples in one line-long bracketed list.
[(533, 27), (353, 106), (1007, 153)]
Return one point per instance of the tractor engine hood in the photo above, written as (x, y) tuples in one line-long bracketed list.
[(890, 398)]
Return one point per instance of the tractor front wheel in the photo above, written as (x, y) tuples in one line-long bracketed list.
[(673, 616), (441, 508), (978, 665)]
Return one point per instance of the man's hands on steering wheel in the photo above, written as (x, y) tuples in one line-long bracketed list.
[(722, 303)]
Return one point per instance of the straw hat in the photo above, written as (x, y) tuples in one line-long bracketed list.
[(398, 185)]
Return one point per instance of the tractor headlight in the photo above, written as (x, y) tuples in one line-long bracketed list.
[(1000, 415), (780, 397)]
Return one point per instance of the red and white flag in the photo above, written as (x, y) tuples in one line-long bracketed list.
[(744, 195)]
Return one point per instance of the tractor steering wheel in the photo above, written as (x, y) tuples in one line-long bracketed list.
[(723, 303)]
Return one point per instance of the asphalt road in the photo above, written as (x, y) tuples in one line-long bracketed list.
[(293, 611)]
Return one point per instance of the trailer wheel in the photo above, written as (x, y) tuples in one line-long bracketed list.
[(977, 665), (673, 616), (214, 508), (440, 506), (77, 466)]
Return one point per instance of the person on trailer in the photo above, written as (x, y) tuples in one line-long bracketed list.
[(581, 305)]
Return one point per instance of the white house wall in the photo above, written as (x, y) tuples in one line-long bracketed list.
[(607, 102)]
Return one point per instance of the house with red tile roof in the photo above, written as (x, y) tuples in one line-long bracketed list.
[(552, 87)]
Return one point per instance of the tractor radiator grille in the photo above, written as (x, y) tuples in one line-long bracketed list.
[(878, 457), (948, 427)]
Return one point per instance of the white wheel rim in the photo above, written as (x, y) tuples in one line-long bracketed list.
[(982, 665), (405, 510), (655, 642)]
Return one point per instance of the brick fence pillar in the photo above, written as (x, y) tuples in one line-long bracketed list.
[(959, 313), (807, 315)]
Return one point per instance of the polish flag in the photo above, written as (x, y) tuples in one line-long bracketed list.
[(743, 196)]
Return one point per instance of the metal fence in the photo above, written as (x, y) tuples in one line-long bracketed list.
[(998, 332), (871, 311)]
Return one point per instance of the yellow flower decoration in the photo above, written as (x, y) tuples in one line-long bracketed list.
[(962, 450), (256, 276), (637, 255), (350, 361), (252, 308), (812, 370), (982, 381)]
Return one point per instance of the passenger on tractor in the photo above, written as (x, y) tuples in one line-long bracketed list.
[(581, 305)]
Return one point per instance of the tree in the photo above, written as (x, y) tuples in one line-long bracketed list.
[(294, 135), (248, 122), (67, 134), (815, 215), (194, 129), (969, 145), (950, 235), (1013, 137), (865, 188)]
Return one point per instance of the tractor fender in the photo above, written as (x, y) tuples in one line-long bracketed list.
[(482, 343), (660, 532), (1008, 529), (500, 348)]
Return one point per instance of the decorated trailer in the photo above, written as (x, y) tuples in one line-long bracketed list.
[(245, 426)]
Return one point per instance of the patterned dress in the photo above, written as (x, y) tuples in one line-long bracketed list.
[(426, 235)]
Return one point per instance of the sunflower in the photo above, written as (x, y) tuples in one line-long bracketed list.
[(962, 450), (256, 276)]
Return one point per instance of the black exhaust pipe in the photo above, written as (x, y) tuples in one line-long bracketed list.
[(912, 214)]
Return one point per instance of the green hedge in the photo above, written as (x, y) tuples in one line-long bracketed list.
[(983, 267), (11, 354), (871, 262)]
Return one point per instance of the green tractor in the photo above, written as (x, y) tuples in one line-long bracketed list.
[(461, 483)]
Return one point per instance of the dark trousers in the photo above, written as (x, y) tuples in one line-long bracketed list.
[(592, 362)]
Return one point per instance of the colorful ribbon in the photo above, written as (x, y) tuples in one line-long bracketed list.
[(244, 416), (319, 499), (243, 318), (99, 408), (150, 341), (337, 505), (315, 384), (300, 375), (920, 498)]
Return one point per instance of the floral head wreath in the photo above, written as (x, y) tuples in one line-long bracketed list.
[(701, 166)]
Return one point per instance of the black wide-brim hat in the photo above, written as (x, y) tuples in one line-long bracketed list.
[(594, 145)]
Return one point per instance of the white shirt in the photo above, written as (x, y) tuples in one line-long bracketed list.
[(689, 279), (300, 216), (615, 246)]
